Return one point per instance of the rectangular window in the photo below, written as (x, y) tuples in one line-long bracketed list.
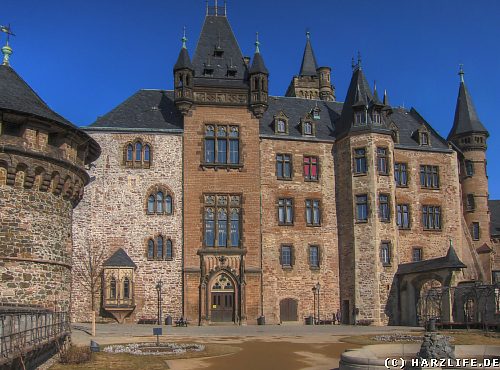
[(284, 166), (431, 217), (311, 168), (360, 165), (285, 211), (475, 231), (495, 277), (313, 212), (429, 176), (384, 209), (401, 174), (385, 253), (221, 144), (469, 168), (362, 208), (314, 256), (286, 256), (416, 254), (222, 220), (403, 216), (471, 203), (382, 166)]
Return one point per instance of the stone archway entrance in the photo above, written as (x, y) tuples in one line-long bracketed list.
[(429, 301), (222, 299)]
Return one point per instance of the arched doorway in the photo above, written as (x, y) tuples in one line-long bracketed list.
[(429, 301), (222, 299), (470, 310), (288, 309)]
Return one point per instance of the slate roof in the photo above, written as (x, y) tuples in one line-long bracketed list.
[(466, 119), (16, 95), (258, 65), (494, 206), (309, 65), (119, 259), (297, 108), (451, 260), (183, 61), (217, 34), (146, 109)]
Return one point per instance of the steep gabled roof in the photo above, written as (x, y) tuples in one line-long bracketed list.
[(119, 259), (16, 95), (494, 206), (258, 65), (146, 109), (466, 120), (309, 65), (183, 60), (217, 35)]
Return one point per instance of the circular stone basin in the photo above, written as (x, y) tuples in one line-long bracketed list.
[(373, 357), (154, 348)]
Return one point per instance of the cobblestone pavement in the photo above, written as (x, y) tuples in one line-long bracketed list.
[(122, 333)]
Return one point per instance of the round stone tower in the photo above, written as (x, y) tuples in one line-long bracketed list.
[(42, 176), (469, 135)]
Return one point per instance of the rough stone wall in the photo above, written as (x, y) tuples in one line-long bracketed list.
[(297, 282), (477, 184), (199, 180), (112, 215)]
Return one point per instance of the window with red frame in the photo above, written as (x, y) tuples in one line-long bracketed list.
[(311, 165)]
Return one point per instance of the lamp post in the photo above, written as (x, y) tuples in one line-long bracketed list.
[(159, 284), (318, 286), (314, 305)]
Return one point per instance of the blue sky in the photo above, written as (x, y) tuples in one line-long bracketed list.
[(85, 57)]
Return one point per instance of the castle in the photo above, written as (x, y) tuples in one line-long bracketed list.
[(243, 207)]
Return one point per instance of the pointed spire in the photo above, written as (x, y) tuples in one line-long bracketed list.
[(258, 65), (466, 120), (386, 98), (309, 65), (183, 60), (376, 99), (359, 59)]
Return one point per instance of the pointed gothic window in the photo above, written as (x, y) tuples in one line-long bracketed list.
[(159, 202), (168, 205), (138, 151), (137, 154), (126, 288), (130, 152), (151, 249), (151, 204), (159, 247), (169, 252), (112, 288), (146, 153)]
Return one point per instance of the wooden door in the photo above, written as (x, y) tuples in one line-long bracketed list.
[(222, 307), (288, 310)]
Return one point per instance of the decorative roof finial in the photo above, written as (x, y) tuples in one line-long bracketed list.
[(207, 7), (257, 43), (6, 50), (359, 60), (216, 8), (353, 65), (225, 8), (184, 38), (308, 34), (451, 243), (461, 72), (374, 86)]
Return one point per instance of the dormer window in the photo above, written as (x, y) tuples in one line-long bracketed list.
[(281, 123), (360, 118), (231, 71), (424, 138), (307, 128), (218, 52), (376, 118), (394, 132), (208, 71)]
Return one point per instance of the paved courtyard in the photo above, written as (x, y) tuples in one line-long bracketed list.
[(260, 347)]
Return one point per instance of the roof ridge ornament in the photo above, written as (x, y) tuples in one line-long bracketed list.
[(461, 72), (6, 49), (257, 43), (184, 39)]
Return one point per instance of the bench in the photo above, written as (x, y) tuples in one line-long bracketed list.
[(181, 322), (147, 321)]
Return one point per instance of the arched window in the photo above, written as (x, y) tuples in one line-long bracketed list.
[(126, 288), (151, 249), (151, 204), (146, 153), (235, 227), (138, 151), (112, 288), (130, 152), (168, 205), (159, 247), (159, 202), (169, 253)]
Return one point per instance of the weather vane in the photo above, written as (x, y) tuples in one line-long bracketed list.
[(7, 30)]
